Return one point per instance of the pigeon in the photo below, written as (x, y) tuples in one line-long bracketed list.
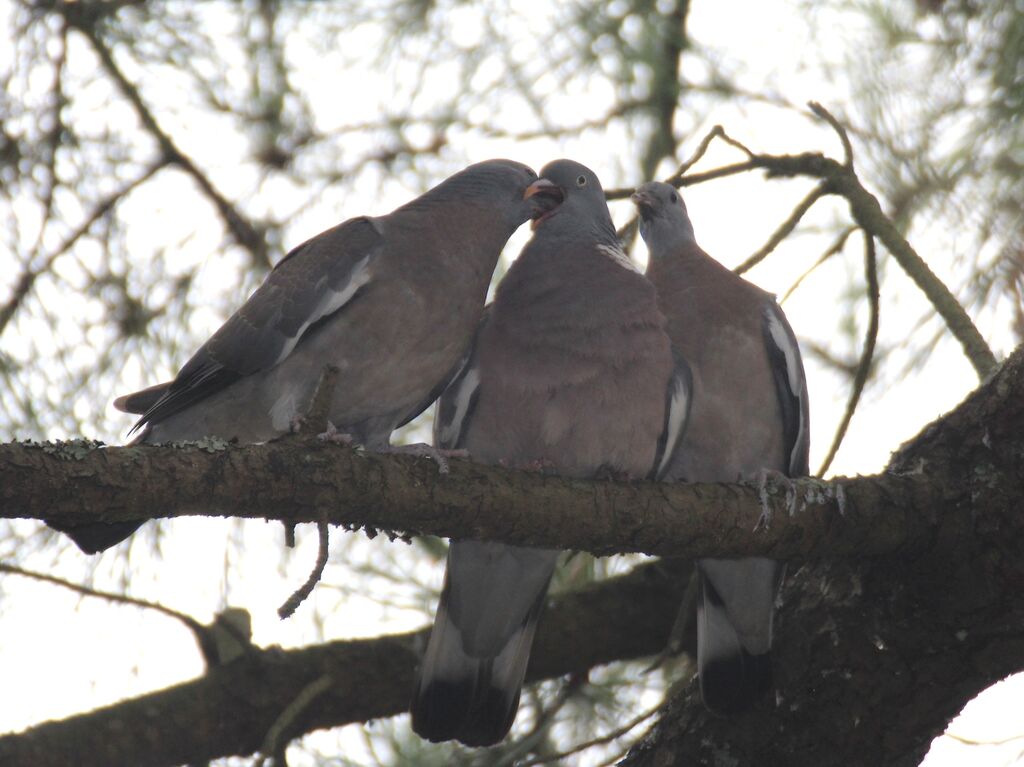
[(391, 301), (749, 418), (572, 373)]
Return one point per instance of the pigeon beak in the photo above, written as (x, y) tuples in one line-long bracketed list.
[(644, 203), (546, 197)]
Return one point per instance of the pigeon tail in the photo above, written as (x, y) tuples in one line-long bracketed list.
[(732, 679), (471, 699)]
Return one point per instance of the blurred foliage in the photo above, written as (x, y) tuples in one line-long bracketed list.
[(937, 106)]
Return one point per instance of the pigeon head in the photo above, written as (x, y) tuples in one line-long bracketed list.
[(497, 186), (577, 198), (663, 217)]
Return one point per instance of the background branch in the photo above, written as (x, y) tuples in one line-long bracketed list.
[(232, 708), (841, 179), (867, 355)]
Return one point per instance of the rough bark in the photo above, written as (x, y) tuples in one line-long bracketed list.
[(304, 480)]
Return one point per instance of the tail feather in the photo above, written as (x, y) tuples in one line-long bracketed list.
[(734, 635), (463, 694)]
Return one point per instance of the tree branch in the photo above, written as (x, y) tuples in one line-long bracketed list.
[(925, 612), (869, 216), (849, 655), (301, 479), (233, 708), (867, 356)]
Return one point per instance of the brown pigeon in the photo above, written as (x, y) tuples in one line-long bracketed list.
[(749, 417), (571, 372), (391, 301)]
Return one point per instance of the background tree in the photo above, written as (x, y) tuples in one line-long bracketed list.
[(157, 157)]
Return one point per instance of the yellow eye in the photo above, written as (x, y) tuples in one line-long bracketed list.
[(581, 181)]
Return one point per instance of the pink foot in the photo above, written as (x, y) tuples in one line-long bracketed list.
[(438, 455), (336, 437)]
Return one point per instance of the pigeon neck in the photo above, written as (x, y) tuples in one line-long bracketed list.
[(667, 238), (684, 261)]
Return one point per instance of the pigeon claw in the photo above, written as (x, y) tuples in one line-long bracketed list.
[(438, 455)]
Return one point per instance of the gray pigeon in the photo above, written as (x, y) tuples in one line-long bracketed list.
[(392, 301), (749, 417), (571, 372)]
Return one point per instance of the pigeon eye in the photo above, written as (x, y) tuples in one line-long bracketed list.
[(581, 181), (674, 197)]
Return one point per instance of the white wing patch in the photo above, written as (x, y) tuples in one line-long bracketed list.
[(678, 410), (791, 353), (781, 339), (449, 432), (618, 255), (330, 302)]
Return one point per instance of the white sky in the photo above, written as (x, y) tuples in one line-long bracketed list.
[(55, 672)]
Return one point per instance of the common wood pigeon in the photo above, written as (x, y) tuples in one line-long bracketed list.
[(571, 372), (749, 416), (392, 301)]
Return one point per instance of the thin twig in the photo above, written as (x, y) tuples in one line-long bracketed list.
[(291, 712), (676, 179), (785, 229), (621, 193), (867, 355), (296, 599), (836, 247), (738, 144), (628, 230), (844, 138), (722, 172), (194, 625), (608, 737)]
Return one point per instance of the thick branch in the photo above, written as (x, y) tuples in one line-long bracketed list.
[(299, 479), (230, 710), (304, 480)]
